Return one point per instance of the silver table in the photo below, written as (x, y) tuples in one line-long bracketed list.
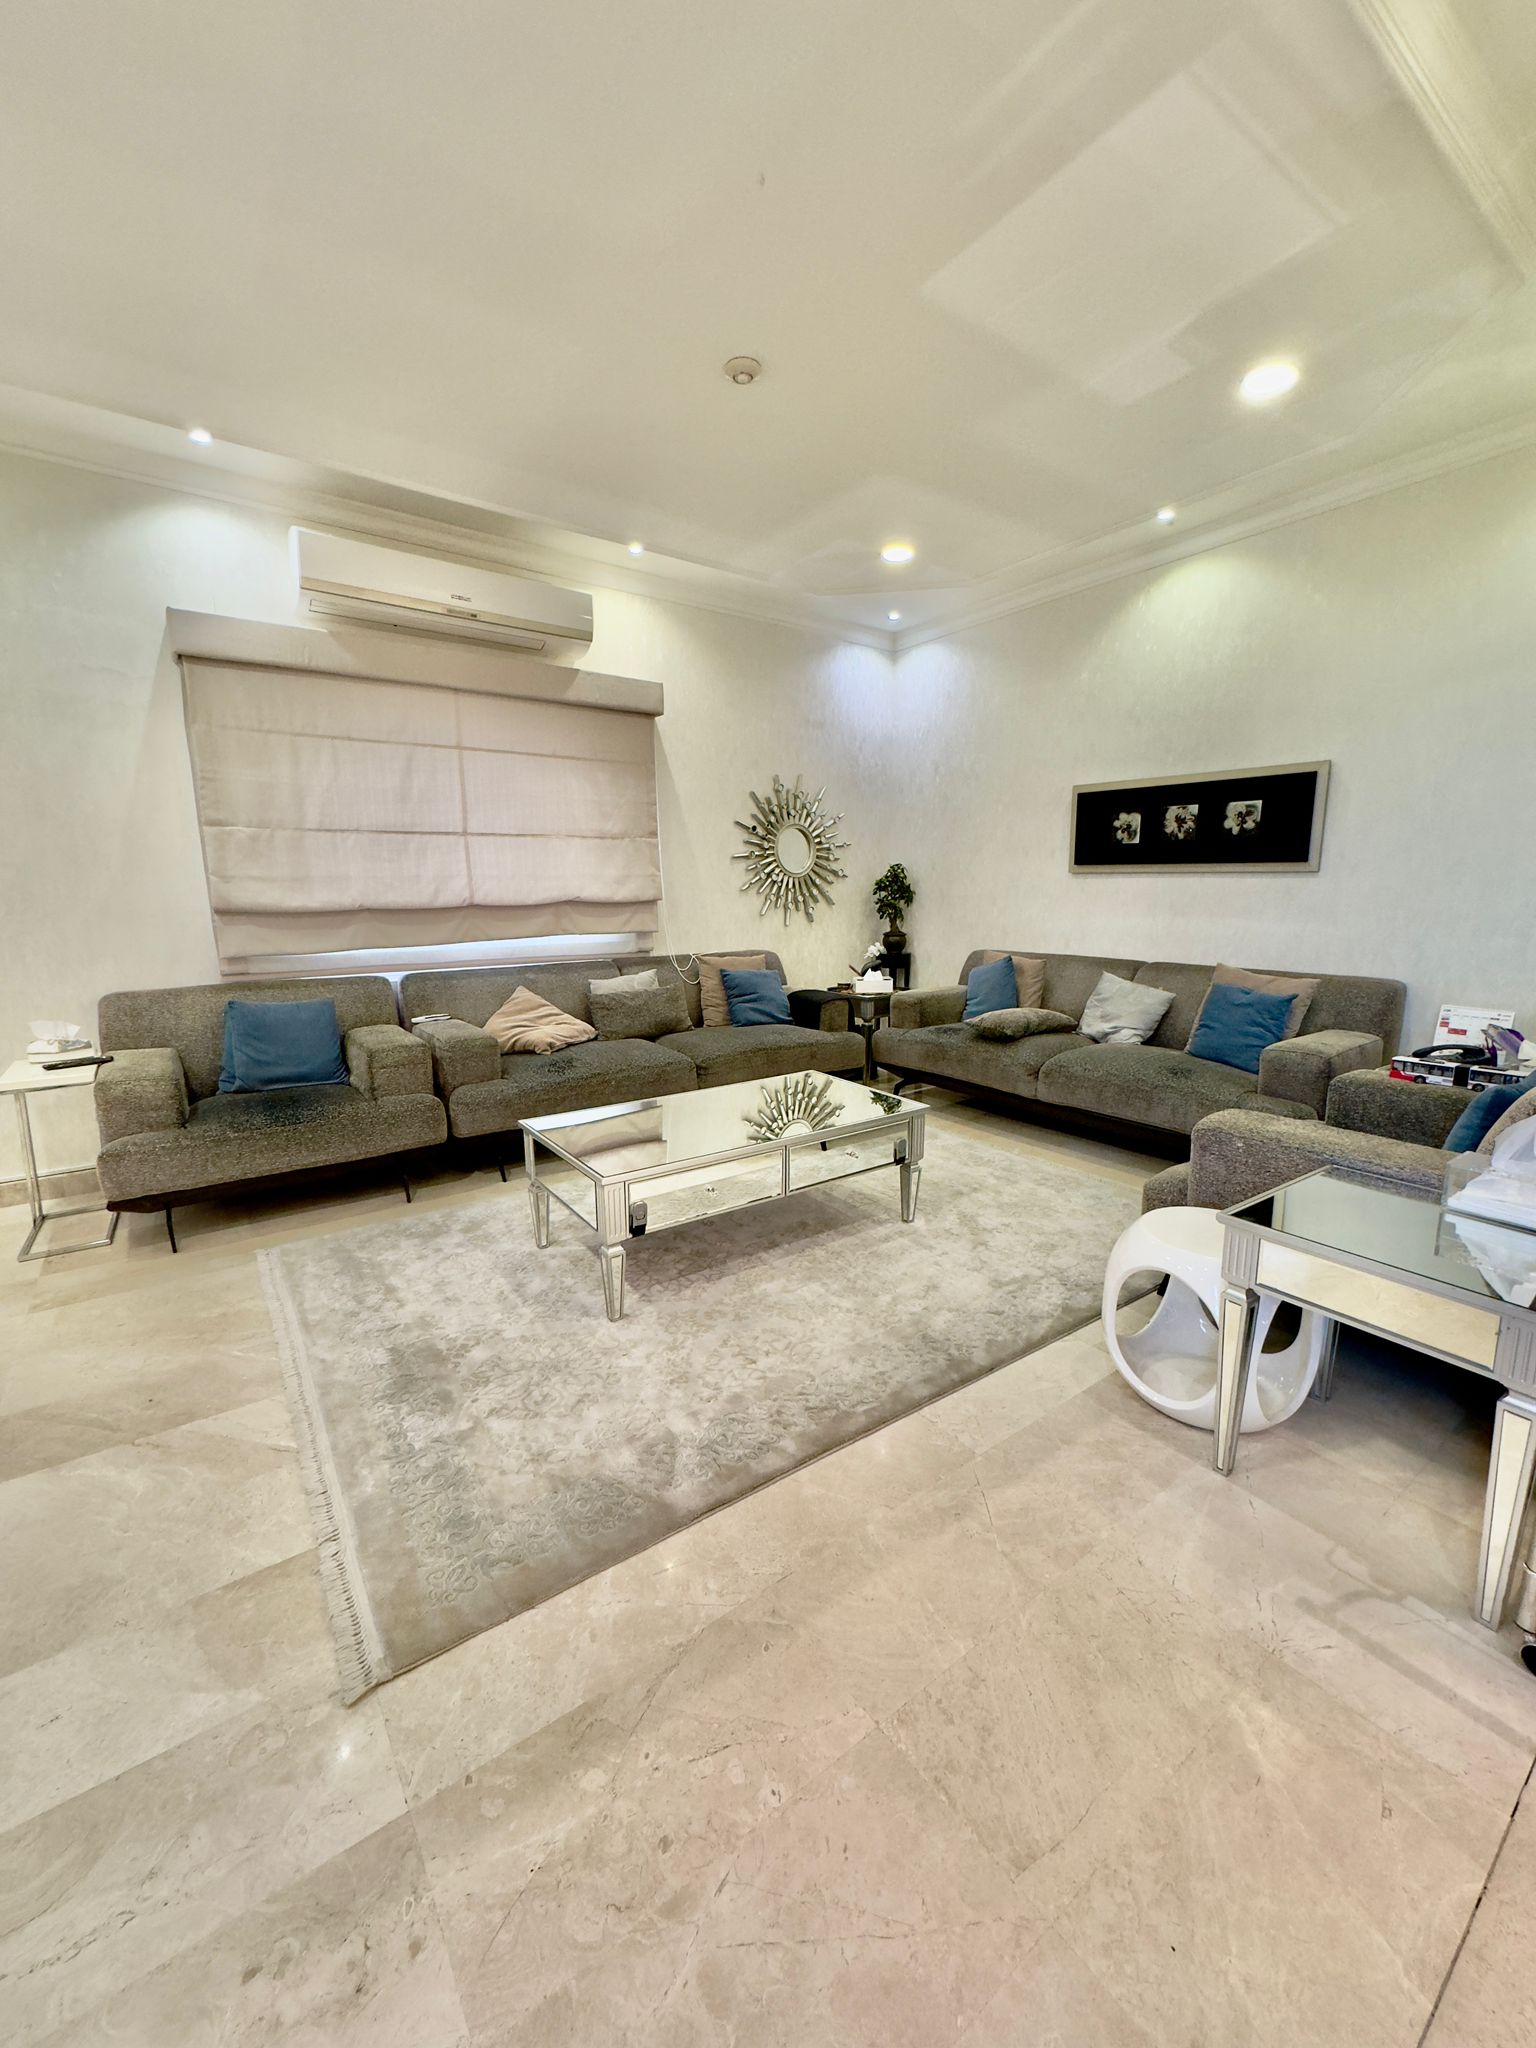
[(22, 1080), (1403, 1267), (638, 1167)]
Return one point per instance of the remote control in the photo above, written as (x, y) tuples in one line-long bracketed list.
[(84, 1059)]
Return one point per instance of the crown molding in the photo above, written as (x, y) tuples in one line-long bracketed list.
[(1128, 554), (277, 486), (1481, 134), (665, 580)]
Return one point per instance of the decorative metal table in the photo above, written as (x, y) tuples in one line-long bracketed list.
[(1405, 1267), (638, 1167)]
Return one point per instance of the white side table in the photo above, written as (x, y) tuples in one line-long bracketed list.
[(21, 1081)]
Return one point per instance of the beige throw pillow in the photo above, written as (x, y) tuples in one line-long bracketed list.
[(527, 1023), (1517, 1112), (712, 1003), (1028, 976), (1301, 988)]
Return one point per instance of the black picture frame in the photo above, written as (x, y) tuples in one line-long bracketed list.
[(1266, 821)]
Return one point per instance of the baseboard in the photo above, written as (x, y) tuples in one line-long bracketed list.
[(71, 1180)]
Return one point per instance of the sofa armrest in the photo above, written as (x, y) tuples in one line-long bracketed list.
[(385, 1059), (144, 1089), (1301, 1068), (912, 1008), (1418, 1112), (461, 1053), (820, 1009), (1240, 1153)]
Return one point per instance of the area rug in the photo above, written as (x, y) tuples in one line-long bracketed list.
[(476, 1435)]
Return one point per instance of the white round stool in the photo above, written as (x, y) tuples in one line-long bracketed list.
[(1171, 1360)]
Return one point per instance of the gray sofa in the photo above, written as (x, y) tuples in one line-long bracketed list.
[(489, 1092), (1352, 1022), (168, 1136), (1374, 1127)]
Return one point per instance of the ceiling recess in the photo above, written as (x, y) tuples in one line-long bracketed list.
[(743, 369)]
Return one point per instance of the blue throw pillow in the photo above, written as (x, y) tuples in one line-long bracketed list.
[(280, 1045), (1482, 1113), (1236, 1024), (990, 987), (755, 996)]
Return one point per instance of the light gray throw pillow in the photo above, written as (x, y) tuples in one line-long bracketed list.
[(643, 977), (634, 1011), (1021, 1023), (1121, 1012)]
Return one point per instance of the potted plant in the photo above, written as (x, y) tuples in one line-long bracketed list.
[(893, 893)]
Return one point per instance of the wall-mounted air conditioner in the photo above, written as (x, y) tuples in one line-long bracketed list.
[(354, 579)]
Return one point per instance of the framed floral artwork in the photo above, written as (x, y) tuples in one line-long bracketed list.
[(1262, 820)]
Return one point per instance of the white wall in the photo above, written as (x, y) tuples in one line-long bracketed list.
[(1354, 637), (101, 881), (1396, 638)]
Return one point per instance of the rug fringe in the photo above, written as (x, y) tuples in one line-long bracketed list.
[(358, 1664)]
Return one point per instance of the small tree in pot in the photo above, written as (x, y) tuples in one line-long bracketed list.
[(893, 893)]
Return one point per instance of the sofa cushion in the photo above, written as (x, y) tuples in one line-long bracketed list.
[(1237, 1026), (230, 1138), (1028, 977), (1188, 985), (642, 1011), (713, 1007), (531, 1023), (1123, 1012), (281, 1045), (476, 993), (754, 1052), (1020, 1023), (586, 1076), (1151, 1084), (953, 1052), (991, 986), (755, 996), (1301, 988)]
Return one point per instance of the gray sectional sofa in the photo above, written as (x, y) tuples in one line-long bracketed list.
[(168, 1136), (1352, 1022), (489, 1092)]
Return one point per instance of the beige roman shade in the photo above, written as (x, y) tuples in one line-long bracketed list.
[(341, 812)]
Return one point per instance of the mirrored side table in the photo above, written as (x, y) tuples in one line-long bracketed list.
[(21, 1081)]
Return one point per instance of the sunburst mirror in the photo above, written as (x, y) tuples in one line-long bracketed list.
[(791, 851), (798, 1104)]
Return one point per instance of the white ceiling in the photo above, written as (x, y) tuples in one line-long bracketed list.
[(1004, 262)]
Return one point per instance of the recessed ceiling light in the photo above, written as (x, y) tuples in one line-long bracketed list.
[(894, 617), (897, 551), (1166, 516), (1266, 381), (200, 435), (637, 547)]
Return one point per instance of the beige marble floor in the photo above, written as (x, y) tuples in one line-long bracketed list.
[(1011, 1724)]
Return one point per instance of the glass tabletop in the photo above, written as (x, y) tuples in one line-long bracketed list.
[(1410, 1234), (715, 1123)]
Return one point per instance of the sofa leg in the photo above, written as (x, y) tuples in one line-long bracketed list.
[(405, 1182), (501, 1168), (170, 1227)]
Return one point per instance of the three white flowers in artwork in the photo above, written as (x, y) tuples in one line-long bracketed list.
[(1180, 821)]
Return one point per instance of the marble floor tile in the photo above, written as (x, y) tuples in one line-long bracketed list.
[(102, 1889), (125, 1533), (1489, 1999), (112, 1701), (348, 1956)]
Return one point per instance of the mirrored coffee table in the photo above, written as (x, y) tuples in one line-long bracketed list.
[(1402, 1266), (638, 1167)]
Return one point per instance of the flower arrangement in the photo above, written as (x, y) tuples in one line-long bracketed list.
[(893, 894)]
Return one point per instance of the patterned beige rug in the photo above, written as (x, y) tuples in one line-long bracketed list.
[(477, 1436)]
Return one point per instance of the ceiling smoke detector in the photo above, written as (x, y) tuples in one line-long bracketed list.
[(743, 369)]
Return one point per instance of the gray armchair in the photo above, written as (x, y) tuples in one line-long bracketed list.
[(168, 1137)]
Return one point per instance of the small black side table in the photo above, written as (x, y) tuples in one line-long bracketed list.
[(869, 1013)]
